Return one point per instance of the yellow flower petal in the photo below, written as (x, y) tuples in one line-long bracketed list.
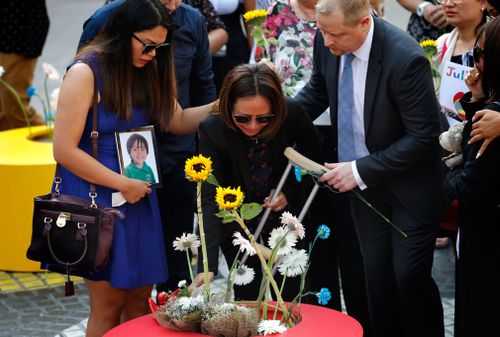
[(198, 168), (229, 198)]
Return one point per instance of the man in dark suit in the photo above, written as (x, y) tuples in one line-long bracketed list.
[(377, 82)]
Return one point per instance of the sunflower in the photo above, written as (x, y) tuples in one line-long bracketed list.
[(198, 168), (255, 17), (229, 198)]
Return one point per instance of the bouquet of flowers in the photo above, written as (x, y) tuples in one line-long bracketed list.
[(217, 314), (430, 50)]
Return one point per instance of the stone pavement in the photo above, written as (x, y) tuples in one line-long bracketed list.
[(33, 304)]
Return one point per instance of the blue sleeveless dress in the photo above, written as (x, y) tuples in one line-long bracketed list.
[(137, 255)]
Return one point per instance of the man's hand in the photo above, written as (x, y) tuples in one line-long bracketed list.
[(486, 126), (340, 176)]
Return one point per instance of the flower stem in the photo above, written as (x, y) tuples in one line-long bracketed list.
[(203, 243), (381, 215), (269, 275), (189, 265), (19, 102)]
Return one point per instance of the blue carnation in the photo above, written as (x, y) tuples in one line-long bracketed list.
[(323, 232), (324, 296), (30, 91), (298, 173)]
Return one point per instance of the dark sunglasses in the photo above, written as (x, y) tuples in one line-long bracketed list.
[(149, 47), (477, 54), (244, 119)]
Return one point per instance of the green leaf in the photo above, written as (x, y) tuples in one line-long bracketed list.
[(225, 215), (250, 211), (212, 180)]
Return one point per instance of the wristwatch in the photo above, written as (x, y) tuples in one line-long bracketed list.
[(421, 6)]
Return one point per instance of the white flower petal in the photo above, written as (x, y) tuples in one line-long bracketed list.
[(181, 284), (2, 71), (294, 263), (245, 245), (271, 326), (293, 224), (284, 238), (51, 72), (187, 241), (243, 275)]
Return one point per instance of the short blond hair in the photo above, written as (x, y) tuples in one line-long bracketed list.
[(353, 10)]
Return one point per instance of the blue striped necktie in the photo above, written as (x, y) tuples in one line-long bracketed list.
[(345, 113)]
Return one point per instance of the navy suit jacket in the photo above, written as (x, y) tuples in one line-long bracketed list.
[(401, 117)]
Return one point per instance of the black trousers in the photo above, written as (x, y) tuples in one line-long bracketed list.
[(177, 206), (403, 299)]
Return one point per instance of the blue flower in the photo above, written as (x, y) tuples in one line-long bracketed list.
[(324, 296), (30, 91), (323, 232), (298, 173)]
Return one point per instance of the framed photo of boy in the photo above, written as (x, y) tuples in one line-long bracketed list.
[(138, 154)]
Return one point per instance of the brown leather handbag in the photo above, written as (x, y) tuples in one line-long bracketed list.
[(71, 232)]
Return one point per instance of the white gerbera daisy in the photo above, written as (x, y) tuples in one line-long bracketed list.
[(293, 224), (243, 275), (284, 238), (51, 72), (187, 241), (245, 245), (294, 263), (270, 326)]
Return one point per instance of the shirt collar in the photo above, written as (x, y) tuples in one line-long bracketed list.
[(363, 52)]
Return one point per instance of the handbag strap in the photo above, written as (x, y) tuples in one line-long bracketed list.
[(94, 135)]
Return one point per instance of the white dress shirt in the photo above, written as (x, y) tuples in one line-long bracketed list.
[(359, 71)]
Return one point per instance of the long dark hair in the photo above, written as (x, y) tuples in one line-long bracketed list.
[(152, 87), (491, 58), (250, 80)]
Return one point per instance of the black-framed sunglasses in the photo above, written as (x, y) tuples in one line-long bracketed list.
[(477, 54), (245, 119), (149, 47)]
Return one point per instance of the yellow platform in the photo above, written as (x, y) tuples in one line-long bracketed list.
[(26, 170)]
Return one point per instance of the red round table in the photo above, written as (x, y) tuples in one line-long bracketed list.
[(316, 321)]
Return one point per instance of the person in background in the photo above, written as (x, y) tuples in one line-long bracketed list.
[(476, 185), (377, 82), (238, 47), (293, 24), (24, 26), (466, 16), (217, 34), (132, 48), (195, 86), (427, 19), (246, 144)]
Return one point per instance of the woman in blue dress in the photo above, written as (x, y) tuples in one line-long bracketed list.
[(132, 64)]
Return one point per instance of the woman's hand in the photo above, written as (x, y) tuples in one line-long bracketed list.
[(474, 82), (199, 280), (486, 126), (278, 204), (135, 190)]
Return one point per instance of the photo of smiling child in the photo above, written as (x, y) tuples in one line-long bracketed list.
[(138, 149), (138, 156)]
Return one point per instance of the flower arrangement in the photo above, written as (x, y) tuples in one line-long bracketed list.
[(429, 47), (49, 104), (216, 313)]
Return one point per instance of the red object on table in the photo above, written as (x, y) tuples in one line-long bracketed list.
[(316, 321)]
